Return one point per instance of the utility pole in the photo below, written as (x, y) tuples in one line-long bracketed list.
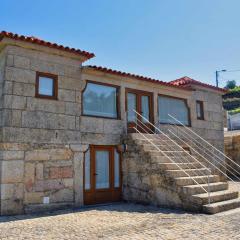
[(217, 75)]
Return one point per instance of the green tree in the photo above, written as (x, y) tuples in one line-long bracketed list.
[(231, 84)]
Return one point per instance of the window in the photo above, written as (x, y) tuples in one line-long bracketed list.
[(46, 86), (199, 110), (100, 100), (175, 107)]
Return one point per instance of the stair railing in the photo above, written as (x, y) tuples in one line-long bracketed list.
[(196, 144), (140, 124)]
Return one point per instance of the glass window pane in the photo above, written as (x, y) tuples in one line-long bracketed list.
[(116, 169), (199, 110), (145, 107), (131, 105), (102, 169), (100, 100), (175, 107), (87, 164), (45, 86)]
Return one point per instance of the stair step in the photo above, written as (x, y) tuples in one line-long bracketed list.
[(180, 159), (221, 206), (197, 189), (184, 181), (215, 196), (190, 171), (174, 166)]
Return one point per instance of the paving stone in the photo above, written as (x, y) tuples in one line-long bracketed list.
[(121, 221)]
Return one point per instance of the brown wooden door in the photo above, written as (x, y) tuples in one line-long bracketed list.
[(104, 181), (142, 102)]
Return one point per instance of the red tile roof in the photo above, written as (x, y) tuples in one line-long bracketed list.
[(44, 43), (125, 74), (184, 81)]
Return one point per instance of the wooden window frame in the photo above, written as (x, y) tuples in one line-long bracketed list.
[(118, 117), (201, 110), (55, 86), (186, 104)]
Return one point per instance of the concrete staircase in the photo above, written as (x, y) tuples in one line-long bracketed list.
[(156, 171)]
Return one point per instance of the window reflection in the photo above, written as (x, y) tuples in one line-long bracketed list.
[(100, 100)]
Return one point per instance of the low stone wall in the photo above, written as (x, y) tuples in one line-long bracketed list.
[(232, 148)]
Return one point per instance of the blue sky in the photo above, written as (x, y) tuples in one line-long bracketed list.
[(164, 39)]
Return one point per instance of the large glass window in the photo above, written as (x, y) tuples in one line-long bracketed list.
[(174, 107), (100, 100)]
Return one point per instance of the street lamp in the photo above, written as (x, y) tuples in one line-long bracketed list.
[(217, 74)]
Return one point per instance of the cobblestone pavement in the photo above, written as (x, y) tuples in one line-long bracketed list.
[(122, 221)]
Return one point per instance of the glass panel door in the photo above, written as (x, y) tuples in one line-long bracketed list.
[(145, 108), (131, 105), (116, 169), (102, 169)]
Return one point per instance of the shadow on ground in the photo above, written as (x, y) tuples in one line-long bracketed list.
[(115, 207)]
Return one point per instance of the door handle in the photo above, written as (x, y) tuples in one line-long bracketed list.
[(95, 174)]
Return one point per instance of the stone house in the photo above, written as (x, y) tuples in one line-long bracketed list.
[(62, 126)]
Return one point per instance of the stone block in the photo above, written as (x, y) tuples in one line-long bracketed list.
[(20, 75), (73, 109), (8, 87), (16, 118), (91, 124), (113, 126), (24, 89), (79, 147), (35, 104), (63, 195), (69, 83), (12, 155), (11, 191), (68, 182), (48, 185), (21, 62), (14, 102), (9, 60), (78, 178), (12, 171), (26, 135), (39, 171), (33, 197), (47, 120), (48, 154), (60, 172), (12, 207), (66, 95), (29, 176)]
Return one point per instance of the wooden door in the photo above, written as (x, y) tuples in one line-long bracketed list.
[(141, 102), (102, 178)]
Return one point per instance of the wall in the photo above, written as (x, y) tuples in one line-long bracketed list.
[(232, 150), (41, 146)]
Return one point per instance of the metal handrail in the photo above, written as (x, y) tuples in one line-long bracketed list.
[(224, 155), (188, 161), (205, 158), (167, 155), (223, 165)]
